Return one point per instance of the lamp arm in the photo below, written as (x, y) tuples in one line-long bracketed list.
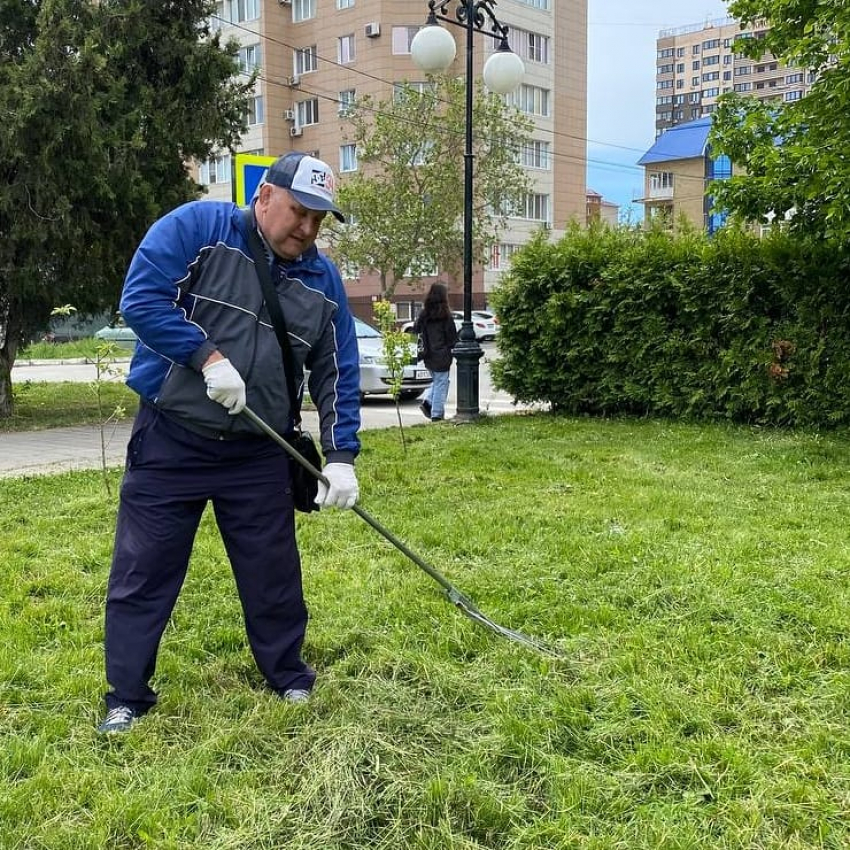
[(480, 10)]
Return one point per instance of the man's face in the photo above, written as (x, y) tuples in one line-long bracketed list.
[(289, 228)]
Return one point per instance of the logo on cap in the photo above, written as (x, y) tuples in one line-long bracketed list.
[(323, 180)]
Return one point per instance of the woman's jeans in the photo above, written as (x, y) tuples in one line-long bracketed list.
[(437, 394)]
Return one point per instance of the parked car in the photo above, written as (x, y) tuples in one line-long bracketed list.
[(118, 332), (374, 375), (484, 328), (484, 324), (487, 318)]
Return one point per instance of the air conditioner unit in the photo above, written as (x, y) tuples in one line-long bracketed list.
[(373, 30), (285, 2), (295, 131), (288, 114), (294, 80)]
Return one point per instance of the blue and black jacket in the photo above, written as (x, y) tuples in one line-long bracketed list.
[(192, 289)]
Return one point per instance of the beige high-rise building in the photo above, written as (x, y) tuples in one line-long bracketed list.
[(696, 64), (315, 56)]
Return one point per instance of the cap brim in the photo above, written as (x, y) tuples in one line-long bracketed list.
[(314, 203)]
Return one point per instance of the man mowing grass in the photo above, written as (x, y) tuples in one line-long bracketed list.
[(206, 346)]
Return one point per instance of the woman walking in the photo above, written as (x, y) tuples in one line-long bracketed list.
[(437, 332)]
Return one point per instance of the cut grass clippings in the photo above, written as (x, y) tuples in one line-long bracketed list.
[(693, 576)]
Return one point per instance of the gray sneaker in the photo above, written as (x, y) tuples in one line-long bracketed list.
[(295, 695), (118, 719)]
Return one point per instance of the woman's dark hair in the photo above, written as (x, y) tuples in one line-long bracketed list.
[(436, 303)]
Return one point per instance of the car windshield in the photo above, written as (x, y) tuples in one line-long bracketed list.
[(365, 331)]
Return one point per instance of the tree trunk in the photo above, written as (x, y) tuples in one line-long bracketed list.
[(9, 335)]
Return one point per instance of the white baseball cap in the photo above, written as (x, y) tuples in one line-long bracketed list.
[(310, 181)]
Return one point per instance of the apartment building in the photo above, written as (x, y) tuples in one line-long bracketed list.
[(317, 56), (696, 64)]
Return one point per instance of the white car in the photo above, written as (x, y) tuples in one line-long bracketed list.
[(485, 324), (374, 375)]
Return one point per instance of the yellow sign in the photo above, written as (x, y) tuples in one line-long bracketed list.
[(248, 171)]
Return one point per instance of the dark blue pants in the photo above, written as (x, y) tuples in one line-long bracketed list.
[(170, 475)]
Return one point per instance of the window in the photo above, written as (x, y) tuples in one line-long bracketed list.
[(402, 36), (529, 45), (743, 70), (303, 10), (218, 17), (711, 60), (791, 96), (305, 60), (500, 255), (694, 81), (245, 10), (345, 49), (417, 86), (346, 101), (254, 115), (249, 58), (714, 44), (711, 76), (712, 92), (536, 154), (791, 79), (407, 311), (215, 170), (695, 65), (660, 181), (536, 4), (665, 53), (307, 112), (532, 100), (533, 207), (741, 87), (345, 4), (665, 84), (680, 84), (347, 158)]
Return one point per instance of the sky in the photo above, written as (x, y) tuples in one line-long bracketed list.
[(621, 94)]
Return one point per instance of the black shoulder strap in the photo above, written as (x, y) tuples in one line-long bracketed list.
[(261, 263)]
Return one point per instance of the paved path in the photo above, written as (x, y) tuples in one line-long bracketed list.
[(57, 450)]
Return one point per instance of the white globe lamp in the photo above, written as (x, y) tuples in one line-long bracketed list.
[(503, 71), (433, 49)]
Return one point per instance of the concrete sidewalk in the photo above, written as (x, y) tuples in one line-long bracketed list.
[(56, 450), (84, 447)]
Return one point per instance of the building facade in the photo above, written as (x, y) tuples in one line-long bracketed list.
[(316, 56), (696, 64)]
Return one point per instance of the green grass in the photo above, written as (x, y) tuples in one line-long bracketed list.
[(86, 348), (694, 578), (40, 405)]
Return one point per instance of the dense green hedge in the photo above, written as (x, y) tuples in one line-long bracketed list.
[(612, 321)]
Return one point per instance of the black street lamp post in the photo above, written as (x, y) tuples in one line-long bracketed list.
[(433, 50)]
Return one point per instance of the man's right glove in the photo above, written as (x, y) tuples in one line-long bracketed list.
[(225, 385)]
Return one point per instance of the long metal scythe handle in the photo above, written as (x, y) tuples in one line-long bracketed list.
[(457, 598)]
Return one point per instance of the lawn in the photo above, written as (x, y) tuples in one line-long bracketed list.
[(693, 578)]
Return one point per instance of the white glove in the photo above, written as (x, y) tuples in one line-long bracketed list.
[(343, 490), (225, 385)]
